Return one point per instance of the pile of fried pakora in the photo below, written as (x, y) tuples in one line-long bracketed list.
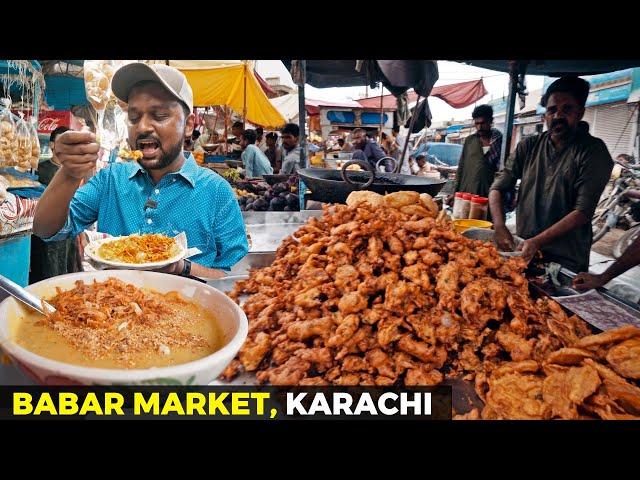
[(383, 291)]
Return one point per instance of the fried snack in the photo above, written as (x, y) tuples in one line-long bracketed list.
[(610, 336), (429, 204), (563, 391), (401, 199), (575, 383), (372, 198), (128, 154), (624, 358), (390, 295), (515, 396), (383, 293), (569, 356), (138, 249)]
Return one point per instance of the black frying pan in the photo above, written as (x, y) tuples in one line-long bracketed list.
[(334, 186)]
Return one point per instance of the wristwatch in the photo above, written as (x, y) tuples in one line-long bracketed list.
[(186, 268)]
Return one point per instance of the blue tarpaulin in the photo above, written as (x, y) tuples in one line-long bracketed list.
[(338, 116), (621, 85), (63, 92), (454, 128)]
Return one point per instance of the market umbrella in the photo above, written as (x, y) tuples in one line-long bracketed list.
[(232, 83)]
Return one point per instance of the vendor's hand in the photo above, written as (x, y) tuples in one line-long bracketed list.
[(586, 281), (77, 152), (173, 268), (450, 200), (529, 248), (504, 239)]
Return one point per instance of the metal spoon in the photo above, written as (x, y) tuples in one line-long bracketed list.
[(29, 299)]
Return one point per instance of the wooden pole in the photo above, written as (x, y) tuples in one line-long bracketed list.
[(215, 122), (406, 141), (244, 97), (226, 146), (302, 113), (510, 113)]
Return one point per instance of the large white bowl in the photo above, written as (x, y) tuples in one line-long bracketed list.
[(230, 316)]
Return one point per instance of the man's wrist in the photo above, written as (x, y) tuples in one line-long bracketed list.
[(67, 176), (177, 267), (606, 277), (186, 267), (538, 240)]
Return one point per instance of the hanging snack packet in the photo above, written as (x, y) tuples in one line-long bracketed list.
[(35, 146), (8, 142), (23, 140)]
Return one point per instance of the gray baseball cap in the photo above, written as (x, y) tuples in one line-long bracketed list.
[(171, 78)]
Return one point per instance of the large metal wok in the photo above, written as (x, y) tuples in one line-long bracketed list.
[(334, 186)]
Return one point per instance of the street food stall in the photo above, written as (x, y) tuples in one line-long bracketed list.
[(381, 291)]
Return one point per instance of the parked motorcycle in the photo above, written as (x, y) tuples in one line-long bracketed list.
[(615, 207)]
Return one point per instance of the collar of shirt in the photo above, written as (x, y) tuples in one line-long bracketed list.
[(188, 170), (552, 151)]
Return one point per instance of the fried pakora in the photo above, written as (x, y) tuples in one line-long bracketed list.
[(383, 291)]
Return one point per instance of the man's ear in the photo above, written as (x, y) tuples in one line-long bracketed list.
[(189, 124)]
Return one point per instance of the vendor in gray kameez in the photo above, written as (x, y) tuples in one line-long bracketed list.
[(480, 156), (563, 172)]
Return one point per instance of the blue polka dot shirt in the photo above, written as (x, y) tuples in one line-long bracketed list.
[(123, 200)]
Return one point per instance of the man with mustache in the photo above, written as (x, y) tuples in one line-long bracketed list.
[(480, 155), (563, 172), (164, 192)]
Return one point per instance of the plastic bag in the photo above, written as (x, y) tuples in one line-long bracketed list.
[(8, 138), (4, 184), (35, 146), (23, 144), (97, 82)]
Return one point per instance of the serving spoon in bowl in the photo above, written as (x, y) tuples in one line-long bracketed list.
[(29, 299)]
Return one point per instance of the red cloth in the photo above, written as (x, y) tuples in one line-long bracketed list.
[(458, 95), (266, 88)]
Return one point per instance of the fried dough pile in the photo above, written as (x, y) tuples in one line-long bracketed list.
[(381, 292), (583, 381)]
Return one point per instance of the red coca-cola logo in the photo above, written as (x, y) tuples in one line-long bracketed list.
[(48, 121), (48, 124)]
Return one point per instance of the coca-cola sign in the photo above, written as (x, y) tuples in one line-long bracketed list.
[(48, 121)]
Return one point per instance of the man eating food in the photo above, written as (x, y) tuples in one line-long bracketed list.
[(163, 192)]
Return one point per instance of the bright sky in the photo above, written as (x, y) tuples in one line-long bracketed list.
[(496, 83)]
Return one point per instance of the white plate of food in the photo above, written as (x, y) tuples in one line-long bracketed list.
[(138, 251)]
